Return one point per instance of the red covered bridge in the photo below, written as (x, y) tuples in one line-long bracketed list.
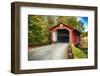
[(64, 33)]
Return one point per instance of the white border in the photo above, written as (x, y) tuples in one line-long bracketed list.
[(25, 64)]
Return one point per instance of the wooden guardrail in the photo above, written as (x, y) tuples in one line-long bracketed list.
[(69, 52)]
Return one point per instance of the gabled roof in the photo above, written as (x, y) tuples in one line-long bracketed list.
[(68, 26)]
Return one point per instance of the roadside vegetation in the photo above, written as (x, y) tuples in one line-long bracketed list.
[(78, 52)]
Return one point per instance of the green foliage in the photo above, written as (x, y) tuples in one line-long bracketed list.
[(84, 40), (51, 20), (72, 21), (80, 26), (62, 19), (84, 34), (37, 30), (78, 53)]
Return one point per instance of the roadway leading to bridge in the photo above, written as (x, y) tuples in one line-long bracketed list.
[(49, 52)]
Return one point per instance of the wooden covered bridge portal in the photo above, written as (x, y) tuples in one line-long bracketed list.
[(64, 33)]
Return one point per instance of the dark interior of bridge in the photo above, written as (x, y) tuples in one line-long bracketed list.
[(62, 35)]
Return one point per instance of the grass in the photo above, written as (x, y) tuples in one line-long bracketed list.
[(38, 44), (78, 53)]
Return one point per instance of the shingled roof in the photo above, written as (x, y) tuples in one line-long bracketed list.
[(68, 26)]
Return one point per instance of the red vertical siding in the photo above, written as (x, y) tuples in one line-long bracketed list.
[(76, 37)]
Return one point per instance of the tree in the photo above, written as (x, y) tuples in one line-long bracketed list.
[(62, 19), (37, 29), (51, 20), (80, 26), (72, 21)]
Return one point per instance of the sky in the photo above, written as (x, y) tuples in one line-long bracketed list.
[(84, 20)]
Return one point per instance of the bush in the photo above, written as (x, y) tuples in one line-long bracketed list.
[(78, 53)]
